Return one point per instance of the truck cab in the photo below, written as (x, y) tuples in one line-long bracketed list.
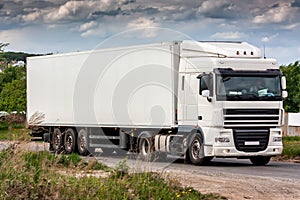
[(234, 98)]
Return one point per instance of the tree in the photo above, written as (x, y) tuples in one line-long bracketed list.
[(13, 96), (3, 45), (10, 74), (3, 61), (292, 74)]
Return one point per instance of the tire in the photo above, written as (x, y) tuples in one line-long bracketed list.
[(145, 148), (195, 150), (57, 141), (260, 160), (82, 143), (70, 141)]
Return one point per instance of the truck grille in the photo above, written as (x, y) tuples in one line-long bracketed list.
[(248, 140), (251, 118)]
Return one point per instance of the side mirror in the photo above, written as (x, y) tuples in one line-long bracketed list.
[(205, 93), (283, 82), (284, 94)]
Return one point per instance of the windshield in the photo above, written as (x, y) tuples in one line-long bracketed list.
[(248, 88)]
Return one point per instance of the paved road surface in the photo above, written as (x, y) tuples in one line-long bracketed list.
[(287, 170)]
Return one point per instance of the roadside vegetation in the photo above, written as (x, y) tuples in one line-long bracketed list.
[(12, 127), (42, 175), (291, 147)]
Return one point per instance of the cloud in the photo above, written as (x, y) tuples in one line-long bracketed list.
[(217, 9), (89, 21), (229, 35), (145, 25), (269, 38), (278, 13), (88, 25), (293, 26), (31, 17)]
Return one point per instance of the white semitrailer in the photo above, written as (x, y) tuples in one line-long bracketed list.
[(197, 100)]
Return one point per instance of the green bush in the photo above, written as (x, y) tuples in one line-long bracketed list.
[(4, 126)]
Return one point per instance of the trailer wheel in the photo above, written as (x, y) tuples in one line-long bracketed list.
[(82, 143), (57, 139), (195, 150), (260, 160), (70, 141)]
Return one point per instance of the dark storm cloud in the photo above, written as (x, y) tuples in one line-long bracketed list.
[(218, 9), (296, 3)]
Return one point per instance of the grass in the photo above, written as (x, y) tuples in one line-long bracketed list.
[(291, 147), (42, 175), (13, 132)]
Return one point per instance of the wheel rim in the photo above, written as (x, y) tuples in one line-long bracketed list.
[(57, 139), (196, 148), (69, 142), (82, 143)]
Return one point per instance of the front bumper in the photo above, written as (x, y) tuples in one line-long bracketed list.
[(225, 145), (233, 152)]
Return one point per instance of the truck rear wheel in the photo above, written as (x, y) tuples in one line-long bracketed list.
[(57, 141), (145, 148), (82, 142), (195, 150), (70, 141), (260, 160)]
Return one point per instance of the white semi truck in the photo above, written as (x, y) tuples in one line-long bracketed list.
[(197, 100)]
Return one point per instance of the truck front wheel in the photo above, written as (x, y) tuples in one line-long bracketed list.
[(260, 160), (70, 141), (195, 150)]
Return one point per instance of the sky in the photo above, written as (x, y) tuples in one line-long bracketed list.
[(60, 26)]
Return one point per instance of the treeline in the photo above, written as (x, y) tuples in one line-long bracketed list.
[(9, 57), (292, 74)]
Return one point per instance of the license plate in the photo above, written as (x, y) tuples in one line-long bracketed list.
[(248, 143)]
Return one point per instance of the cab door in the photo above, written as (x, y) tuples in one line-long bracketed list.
[(205, 100), (191, 98)]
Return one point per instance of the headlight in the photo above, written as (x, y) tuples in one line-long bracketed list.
[(277, 139), (222, 139)]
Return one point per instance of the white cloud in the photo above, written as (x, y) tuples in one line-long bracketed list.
[(282, 13), (99, 31), (269, 38), (88, 25), (31, 17), (229, 35), (145, 25), (291, 26)]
